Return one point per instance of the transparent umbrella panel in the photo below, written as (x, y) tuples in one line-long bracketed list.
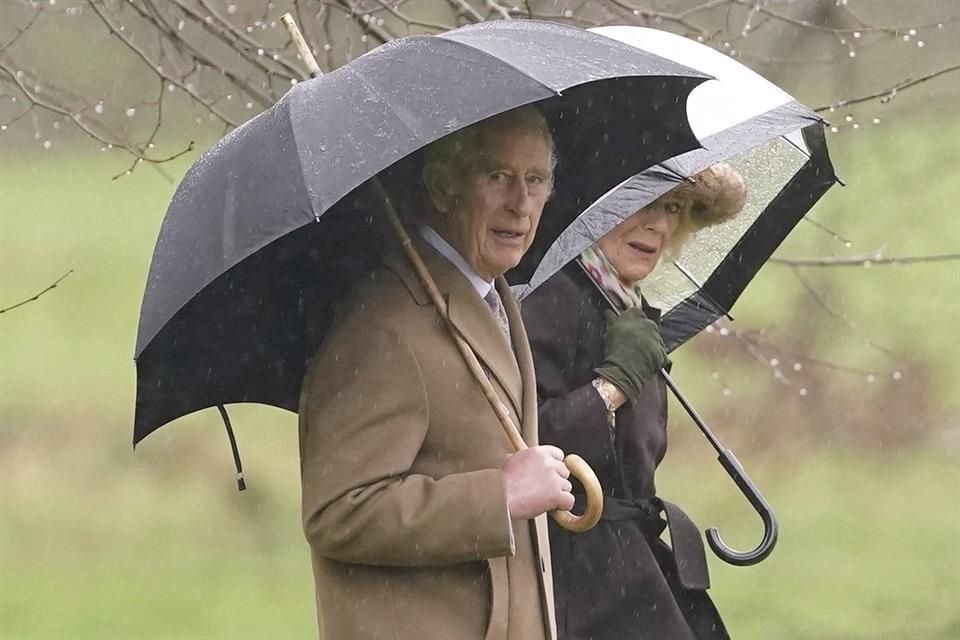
[(765, 170), (774, 142)]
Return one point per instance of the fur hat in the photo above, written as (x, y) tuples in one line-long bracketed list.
[(718, 193)]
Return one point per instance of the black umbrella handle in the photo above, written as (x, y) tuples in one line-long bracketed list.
[(770, 527), (735, 470)]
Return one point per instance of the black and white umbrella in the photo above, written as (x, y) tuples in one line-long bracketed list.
[(778, 147), (772, 140)]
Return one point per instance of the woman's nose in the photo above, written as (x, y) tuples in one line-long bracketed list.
[(657, 221)]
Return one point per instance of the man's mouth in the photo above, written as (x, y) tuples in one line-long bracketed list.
[(507, 235), (643, 247)]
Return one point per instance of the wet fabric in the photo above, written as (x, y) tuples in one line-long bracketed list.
[(270, 229), (619, 580), (403, 500)]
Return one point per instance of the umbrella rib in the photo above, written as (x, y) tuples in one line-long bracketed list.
[(502, 61), (372, 89), (699, 286)]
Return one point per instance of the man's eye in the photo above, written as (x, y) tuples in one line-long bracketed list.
[(499, 176), (535, 179)]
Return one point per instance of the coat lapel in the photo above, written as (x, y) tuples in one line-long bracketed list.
[(472, 318), (524, 362)]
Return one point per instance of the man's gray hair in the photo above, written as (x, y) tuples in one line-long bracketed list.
[(448, 161)]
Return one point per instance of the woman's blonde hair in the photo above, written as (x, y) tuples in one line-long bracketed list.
[(716, 195)]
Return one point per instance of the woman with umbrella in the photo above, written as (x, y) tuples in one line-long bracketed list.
[(600, 395)]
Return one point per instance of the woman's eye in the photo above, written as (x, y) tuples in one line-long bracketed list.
[(672, 207)]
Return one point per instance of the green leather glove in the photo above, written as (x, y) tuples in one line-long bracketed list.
[(633, 351)]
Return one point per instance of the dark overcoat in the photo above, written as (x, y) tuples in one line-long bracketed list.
[(617, 581)]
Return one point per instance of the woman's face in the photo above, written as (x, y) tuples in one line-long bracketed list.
[(635, 245)]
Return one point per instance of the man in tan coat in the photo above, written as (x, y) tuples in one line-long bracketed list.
[(422, 521)]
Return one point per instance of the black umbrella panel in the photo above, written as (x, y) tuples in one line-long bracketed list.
[(269, 229)]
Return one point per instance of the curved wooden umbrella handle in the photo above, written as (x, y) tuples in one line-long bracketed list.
[(591, 515)]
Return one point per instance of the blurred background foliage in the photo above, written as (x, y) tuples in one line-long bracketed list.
[(836, 385)]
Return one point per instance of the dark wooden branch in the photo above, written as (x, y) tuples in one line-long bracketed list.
[(864, 260), (357, 14), (822, 303), (22, 30), (436, 26), (464, 9), (888, 94), (156, 68), (163, 27), (36, 296)]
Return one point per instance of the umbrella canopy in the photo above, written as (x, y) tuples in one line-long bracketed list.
[(773, 141), (268, 229), (777, 146)]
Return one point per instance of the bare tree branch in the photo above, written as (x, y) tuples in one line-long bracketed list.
[(888, 94), (822, 303), (499, 9), (436, 26), (864, 260), (164, 27), (363, 18), (36, 296), (22, 30), (466, 10), (156, 68), (74, 116)]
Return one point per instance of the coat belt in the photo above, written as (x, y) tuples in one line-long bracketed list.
[(689, 557)]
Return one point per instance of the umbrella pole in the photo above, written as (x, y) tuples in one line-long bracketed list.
[(577, 465), (736, 471)]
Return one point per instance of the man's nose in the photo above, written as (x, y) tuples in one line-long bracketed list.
[(518, 199)]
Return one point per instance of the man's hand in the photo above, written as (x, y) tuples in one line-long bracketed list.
[(535, 481)]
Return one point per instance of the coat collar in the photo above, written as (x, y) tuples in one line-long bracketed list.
[(472, 318)]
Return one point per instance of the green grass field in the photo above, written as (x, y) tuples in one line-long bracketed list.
[(98, 541)]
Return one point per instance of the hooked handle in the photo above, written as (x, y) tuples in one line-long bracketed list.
[(770, 527), (591, 514)]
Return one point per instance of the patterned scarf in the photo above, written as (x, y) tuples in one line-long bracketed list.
[(625, 295)]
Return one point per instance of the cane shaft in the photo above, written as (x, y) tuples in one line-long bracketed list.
[(577, 465), (301, 44)]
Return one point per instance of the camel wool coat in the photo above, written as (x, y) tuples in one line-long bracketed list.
[(403, 499)]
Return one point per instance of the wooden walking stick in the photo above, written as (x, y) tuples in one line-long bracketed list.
[(577, 465)]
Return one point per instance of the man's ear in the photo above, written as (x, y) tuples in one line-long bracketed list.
[(441, 195)]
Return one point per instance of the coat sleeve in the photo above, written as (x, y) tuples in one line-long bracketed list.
[(571, 413), (361, 502)]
